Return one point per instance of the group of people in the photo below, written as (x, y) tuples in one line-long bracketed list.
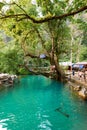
[(81, 74)]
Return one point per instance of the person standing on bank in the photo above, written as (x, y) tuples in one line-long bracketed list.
[(84, 75), (80, 75), (73, 72)]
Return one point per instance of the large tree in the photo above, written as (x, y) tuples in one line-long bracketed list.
[(41, 25)]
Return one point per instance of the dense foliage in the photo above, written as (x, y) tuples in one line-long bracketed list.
[(52, 27)]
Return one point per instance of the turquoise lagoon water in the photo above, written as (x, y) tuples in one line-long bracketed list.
[(39, 103)]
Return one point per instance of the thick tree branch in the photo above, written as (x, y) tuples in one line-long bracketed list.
[(44, 19), (32, 56), (41, 40), (36, 56), (61, 16)]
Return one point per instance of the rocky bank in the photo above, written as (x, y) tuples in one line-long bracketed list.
[(7, 79)]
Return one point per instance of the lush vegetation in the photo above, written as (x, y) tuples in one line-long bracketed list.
[(55, 28)]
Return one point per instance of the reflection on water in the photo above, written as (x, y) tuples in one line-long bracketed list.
[(38, 103), (3, 125), (45, 125), (4, 122)]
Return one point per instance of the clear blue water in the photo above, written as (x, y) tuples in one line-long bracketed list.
[(32, 104)]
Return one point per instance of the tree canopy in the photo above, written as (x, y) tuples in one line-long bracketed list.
[(56, 28)]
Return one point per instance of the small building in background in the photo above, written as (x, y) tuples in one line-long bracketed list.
[(79, 66)]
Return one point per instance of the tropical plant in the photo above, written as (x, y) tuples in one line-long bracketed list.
[(41, 27)]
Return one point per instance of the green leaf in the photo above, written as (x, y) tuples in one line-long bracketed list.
[(1, 5), (10, 11)]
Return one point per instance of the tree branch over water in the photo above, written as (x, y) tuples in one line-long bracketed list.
[(24, 15)]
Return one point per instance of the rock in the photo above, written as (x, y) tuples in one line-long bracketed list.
[(0, 83), (7, 79), (78, 88), (83, 93)]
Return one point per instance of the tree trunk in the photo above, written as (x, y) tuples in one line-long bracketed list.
[(60, 75)]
